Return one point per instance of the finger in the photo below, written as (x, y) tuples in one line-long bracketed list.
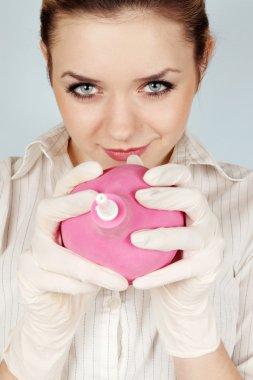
[(168, 175), (54, 258), (54, 210), (53, 282), (134, 160), (202, 265), (169, 239), (81, 173), (178, 271), (190, 201), (30, 273)]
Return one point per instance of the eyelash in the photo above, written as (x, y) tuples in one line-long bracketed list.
[(71, 90)]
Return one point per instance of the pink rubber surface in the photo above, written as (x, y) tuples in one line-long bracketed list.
[(111, 247)]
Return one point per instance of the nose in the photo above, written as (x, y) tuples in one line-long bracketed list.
[(121, 120)]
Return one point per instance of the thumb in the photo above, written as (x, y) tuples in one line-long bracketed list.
[(81, 173), (134, 160), (54, 210)]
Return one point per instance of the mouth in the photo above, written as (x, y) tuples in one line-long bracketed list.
[(122, 155)]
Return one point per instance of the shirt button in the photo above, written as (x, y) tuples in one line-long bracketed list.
[(113, 303)]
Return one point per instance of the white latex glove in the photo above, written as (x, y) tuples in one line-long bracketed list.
[(56, 286), (180, 292)]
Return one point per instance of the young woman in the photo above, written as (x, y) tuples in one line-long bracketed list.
[(124, 74)]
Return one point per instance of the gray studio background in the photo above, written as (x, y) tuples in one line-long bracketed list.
[(222, 112)]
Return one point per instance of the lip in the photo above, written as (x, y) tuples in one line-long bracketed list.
[(122, 155)]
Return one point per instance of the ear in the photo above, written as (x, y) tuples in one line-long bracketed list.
[(210, 48), (210, 45), (44, 50)]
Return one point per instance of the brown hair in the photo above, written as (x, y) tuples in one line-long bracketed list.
[(190, 13)]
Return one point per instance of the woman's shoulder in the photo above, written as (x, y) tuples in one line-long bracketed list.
[(236, 172), (236, 184), (8, 167), (7, 170), (50, 145), (190, 151)]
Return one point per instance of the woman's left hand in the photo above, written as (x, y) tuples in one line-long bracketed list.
[(182, 309)]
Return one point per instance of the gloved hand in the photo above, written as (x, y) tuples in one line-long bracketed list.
[(183, 313), (56, 286)]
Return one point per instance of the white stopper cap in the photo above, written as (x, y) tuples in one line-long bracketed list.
[(106, 208)]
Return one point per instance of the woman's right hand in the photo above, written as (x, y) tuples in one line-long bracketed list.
[(56, 286)]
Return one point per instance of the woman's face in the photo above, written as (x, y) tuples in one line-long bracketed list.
[(123, 84)]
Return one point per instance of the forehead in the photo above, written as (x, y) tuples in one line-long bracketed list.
[(130, 37)]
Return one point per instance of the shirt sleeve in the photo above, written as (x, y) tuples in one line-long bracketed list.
[(243, 351), (5, 200)]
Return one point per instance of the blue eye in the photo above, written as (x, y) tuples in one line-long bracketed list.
[(83, 89), (156, 86)]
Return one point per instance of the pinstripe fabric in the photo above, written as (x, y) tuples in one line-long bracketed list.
[(117, 338)]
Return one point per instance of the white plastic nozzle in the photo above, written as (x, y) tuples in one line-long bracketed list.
[(106, 208)]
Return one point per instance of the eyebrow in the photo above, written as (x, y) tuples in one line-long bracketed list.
[(150, 77)]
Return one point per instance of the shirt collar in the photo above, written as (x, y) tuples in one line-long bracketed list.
[(51, 144), (188, 151)]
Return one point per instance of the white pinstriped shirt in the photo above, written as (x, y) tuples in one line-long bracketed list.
[(117, 338)]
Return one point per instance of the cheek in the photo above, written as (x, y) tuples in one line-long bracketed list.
[(76, 115), (178, 109), (171, 117)]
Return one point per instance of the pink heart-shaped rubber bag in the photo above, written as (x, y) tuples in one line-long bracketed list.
[(108, 243)]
